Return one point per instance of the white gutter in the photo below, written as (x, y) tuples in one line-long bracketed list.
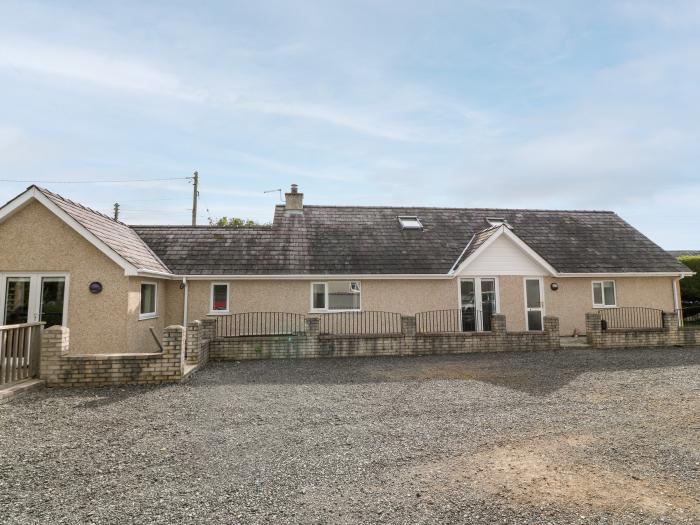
[(375, 276)]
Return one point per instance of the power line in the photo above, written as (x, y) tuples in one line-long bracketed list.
[(93, 181)]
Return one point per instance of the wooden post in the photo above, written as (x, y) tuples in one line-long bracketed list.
[(195, 195)]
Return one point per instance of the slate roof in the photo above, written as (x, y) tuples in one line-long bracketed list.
[(475, 243), (681, 253), (117, 235), (369, 240)]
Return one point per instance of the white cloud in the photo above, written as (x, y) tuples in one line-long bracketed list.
[(110, 71)]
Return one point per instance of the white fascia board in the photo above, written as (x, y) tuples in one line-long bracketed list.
[(628, 274), (25, 198), (502, 230), (153, 273)]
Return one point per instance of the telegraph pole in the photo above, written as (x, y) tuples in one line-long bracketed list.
[(195, 195), (116, 211)]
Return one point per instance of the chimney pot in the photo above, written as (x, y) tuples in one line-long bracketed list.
[(295, 188)]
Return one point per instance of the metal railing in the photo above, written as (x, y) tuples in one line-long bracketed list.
[(20, 345), (360, 323), (689, 316), (631, 317), (453, 320), (259, 323)]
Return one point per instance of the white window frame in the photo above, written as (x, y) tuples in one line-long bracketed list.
[(325, 290), (149, 315), (543, 305), (35, 279), (477, 289), (602, 292), (412, 218), (211, 300)]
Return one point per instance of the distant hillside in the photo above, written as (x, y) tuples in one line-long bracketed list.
[(681, 253)]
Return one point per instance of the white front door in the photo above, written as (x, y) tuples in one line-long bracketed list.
[(534, 303), (33, 297)]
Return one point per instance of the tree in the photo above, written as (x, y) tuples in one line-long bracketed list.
[(690, 286), (233, 222)]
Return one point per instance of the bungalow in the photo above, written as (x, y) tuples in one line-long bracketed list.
[(63, 263)]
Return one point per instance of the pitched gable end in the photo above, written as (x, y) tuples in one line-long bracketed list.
[(499, 251)]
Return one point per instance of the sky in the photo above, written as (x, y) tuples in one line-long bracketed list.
[(561, 105)]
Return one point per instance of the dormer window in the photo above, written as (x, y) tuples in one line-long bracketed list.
[(410, 223), (498, 221)]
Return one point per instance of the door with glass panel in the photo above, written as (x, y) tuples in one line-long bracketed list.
[(534, 304), (478, 303), (32, 298)]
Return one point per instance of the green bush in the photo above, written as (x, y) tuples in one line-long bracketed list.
[(690, 286)]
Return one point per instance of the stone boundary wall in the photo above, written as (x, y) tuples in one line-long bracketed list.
[(670, 335), (314, 345), (59, 368)]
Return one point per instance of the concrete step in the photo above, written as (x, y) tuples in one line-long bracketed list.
[(7, 392)]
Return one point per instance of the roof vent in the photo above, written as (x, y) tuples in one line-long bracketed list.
[(410, 223)]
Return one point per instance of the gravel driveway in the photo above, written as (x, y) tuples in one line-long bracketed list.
[(574, 436)]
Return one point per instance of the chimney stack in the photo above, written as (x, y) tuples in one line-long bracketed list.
[(294, 201)]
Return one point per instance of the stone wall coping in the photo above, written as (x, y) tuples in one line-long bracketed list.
[(360, 336), (106, 357), (485, 333), (632, 330)]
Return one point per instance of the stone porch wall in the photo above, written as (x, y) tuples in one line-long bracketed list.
[(59, 368), (407, 343), (670, 335), (197, 343)]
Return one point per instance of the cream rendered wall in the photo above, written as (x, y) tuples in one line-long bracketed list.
[(35, 240), (574, 297), (406, 296), (570, 303), (139, 337)]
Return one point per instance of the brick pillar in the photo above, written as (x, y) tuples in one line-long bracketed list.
[(498, 324), (193, 342), (311, 344), (408, 325), (671, 329), (173, 351), (208, 329), (54, 345), (551, 328), (594, 329)]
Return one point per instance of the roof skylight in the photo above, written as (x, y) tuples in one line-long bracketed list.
[(410, 223), (498, 221)]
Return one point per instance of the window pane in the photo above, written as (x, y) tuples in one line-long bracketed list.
[(597, 293), (467, 293), (532, 290), (609, 293), (17, 300), (342, 296), (148, 298), (534, 320), (319, 295), (52, 295), (220, 297)]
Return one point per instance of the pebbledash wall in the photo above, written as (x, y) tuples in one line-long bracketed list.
[(314, 345), (670, 335), (569, 303)]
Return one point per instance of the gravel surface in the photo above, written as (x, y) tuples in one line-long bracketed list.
[(576, 436)]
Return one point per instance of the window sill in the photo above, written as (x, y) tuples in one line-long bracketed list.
[(219, 312), (146, 317), (603, 307)]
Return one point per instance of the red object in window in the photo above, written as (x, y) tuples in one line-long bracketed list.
[(220, 305)]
